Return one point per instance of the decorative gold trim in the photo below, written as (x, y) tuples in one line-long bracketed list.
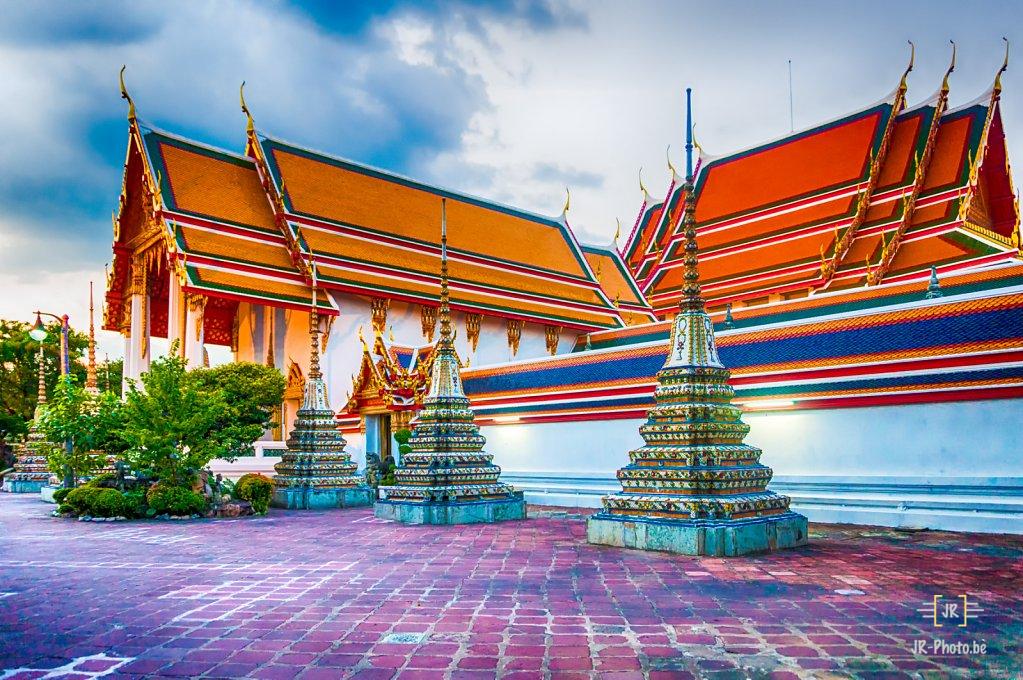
[(514, 335), (473, 323), (552, 334), (428, 320), (378, 314)]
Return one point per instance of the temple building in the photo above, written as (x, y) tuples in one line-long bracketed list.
[(857, 372)]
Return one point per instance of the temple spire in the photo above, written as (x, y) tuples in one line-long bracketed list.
[(90, 373), (314, 326), (445, 296), (41, 388), (691, 298)]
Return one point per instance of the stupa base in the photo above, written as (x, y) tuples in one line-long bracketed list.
[(717, 538), (23, 485), (310, 498), (472, 512)]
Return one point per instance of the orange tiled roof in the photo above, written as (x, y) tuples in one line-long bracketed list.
[(376, 233), (766, 217)]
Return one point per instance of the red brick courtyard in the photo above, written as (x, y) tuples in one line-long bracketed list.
[(342, 595)]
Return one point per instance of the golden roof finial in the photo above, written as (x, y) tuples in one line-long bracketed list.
[(251, 126), (905, 74), (1005, 65), (125, 95), (568, 201), (671, 166), (646, 194), (696, 143), (390, 334), (365, 347), (951, 67), (618, 232)]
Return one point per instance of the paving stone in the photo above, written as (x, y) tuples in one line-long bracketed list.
[(329, 594)]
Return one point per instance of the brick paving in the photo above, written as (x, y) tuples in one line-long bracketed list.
[(340, 594)]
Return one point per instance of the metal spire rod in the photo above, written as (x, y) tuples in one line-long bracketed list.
[(689, 135)]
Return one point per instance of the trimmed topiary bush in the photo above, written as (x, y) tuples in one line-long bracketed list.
[(174, 500), (106, 503), (79, 500), (60, 494), (256, 489)]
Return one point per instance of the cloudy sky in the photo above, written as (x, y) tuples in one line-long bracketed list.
[(509, 99)]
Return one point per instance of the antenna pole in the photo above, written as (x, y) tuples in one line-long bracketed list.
[(792, 123)]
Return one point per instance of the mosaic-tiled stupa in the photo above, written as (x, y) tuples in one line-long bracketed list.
[(31, 471), (695, 488), (447, 478), (315, 471)]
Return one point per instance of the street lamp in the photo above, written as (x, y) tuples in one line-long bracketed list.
[(38, 333)]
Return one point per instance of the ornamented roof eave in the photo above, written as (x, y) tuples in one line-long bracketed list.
[(153, 208), (274, 191), (889, 249), (844, 242), (975, 230)]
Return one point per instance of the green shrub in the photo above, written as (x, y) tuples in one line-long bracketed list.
[(60, 494), (174, 500), (106, 480), (79, 500), (256, 489), (134, 503), (107, 503)]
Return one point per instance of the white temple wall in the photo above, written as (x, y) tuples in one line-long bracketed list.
[(950, 466)]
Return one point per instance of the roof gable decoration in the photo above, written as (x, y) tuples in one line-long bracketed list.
[(891, 246), (979, 160), (841, 246), (141, 240)]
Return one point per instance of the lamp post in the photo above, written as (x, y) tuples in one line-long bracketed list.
[(38, 333)]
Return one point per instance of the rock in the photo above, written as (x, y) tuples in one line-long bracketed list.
[(234, 509)]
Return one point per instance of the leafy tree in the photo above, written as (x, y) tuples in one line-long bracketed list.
[(252, 392), (87, 425), (18, 372), (172, 424)]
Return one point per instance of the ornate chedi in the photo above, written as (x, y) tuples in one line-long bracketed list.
[(695, 487), (31, 471), (447, 478), (315, 471)]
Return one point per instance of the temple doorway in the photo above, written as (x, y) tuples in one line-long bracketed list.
[(379, 436)]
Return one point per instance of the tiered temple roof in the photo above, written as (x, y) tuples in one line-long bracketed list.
[(242, 227), (879, 195)]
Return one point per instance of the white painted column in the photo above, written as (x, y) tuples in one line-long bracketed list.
[(194, 331), (139, 359), (174, 316), (126, 366)]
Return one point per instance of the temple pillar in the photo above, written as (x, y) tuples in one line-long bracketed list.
[(194, 332), (139, 340), (175, 314), (126, 370)]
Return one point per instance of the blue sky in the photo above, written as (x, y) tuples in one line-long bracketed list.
[(511, 100)]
